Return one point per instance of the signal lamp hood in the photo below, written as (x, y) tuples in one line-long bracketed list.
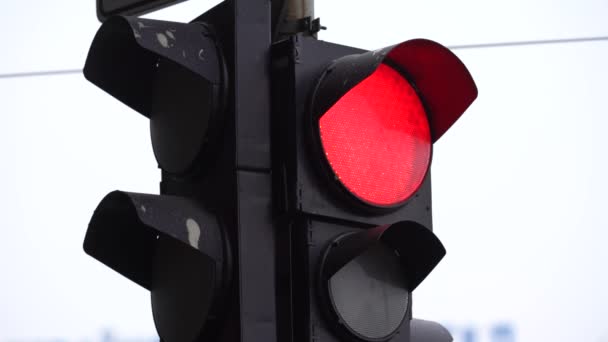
[(126, 51), (172, 73), (418, 248), (442, 80), (170, 246)]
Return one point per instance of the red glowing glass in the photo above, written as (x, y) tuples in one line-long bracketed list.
[(377, 139)]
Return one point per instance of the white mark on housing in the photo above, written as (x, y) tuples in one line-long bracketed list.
[(143, 208), (163, 40), (170, 34), (194, 232)]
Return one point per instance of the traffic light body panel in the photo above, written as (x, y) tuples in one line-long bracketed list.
[(316, 209), (305, 185), (224, 170)]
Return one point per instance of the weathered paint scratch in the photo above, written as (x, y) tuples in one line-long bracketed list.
[(194, 232)]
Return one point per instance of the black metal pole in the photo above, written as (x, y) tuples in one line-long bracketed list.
[(255, 232)]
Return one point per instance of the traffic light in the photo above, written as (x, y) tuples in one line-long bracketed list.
[(295, 197), (204, 247), (355, 131)]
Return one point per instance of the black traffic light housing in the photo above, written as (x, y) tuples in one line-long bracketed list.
[(211, 141), (326, 227), (303, 92), (253, 237)]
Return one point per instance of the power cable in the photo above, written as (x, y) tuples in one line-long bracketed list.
[(453, 47), (41, 73), (530, 42)]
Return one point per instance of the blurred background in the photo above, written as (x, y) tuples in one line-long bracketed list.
[(519, 182)]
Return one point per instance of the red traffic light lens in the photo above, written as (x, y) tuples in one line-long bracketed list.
[(377, 139)]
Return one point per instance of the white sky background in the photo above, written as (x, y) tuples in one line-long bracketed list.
[(518, 183)]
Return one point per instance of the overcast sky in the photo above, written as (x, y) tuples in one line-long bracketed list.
[(519, 182)]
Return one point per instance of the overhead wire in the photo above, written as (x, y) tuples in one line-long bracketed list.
[(530, 42), (41, 73), (453, 47)]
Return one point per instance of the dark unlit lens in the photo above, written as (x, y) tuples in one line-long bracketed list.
[(369, 293), (181, 110)]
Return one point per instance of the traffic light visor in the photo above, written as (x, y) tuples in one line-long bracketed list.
[(172, 73), (171, 246), (442, 81), (126, 229), (366, 277), (126, 53)]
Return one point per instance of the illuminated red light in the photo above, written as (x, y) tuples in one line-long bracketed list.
[(377, 139)]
